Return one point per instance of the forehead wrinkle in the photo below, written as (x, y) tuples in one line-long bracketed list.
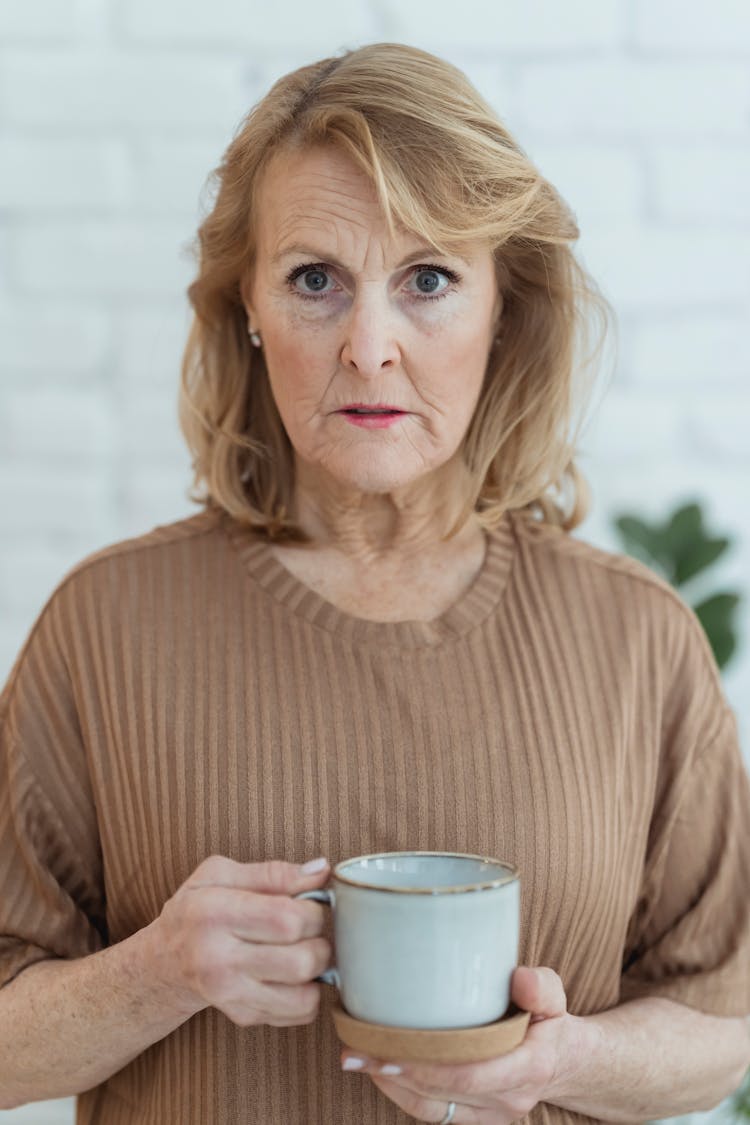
[(345, 232), (338, 202), (320, 214), (344, 179), (352, 184), (317, 186), (327, 209)]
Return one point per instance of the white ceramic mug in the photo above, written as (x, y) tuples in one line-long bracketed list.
[(423, 939)]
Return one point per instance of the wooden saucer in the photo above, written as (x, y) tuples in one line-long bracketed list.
[(450, 1045)]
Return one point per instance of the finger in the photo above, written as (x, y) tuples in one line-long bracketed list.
[(263, 918), (476, 1085), (502, 1110), (287, 964), (276, 919), (432, 1109), (273, 877), (287, 999), (278, 1004), (539, 991)]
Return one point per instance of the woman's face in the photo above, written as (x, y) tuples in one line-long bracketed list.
[(349, 316)]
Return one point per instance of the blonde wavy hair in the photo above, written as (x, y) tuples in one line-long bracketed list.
[(444, 167)]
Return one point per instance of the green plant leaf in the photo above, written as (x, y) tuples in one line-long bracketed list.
[(716, 616), (686, 523), (679, 548), (741, 1099), (683, 534), (640, 540), (699, 556), (686, 544)]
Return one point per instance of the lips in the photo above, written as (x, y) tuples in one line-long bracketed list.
[(370, 408), (372, 419)]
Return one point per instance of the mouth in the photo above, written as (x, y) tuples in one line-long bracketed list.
[(372, 419), (377, 408), (372, 413)]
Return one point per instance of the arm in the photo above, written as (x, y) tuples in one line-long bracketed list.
[(66, 1026), (231, 938), (648, 1059)]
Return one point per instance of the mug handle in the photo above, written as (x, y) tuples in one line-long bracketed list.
[(328, 898)]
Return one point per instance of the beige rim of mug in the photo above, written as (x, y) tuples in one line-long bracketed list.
[(465, 888)]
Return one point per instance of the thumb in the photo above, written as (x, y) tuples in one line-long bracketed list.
[(539, 991)]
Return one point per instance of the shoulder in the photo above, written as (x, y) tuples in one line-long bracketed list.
[(139, 574), (97, 584), (548, 548), (611, 587), (617, 594), (160, 540)]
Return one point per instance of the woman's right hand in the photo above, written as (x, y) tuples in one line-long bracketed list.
[(232, 937)]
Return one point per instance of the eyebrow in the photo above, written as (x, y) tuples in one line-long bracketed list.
[(421, 252)]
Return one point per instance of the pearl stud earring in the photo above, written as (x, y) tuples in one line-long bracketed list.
[(254, 337)]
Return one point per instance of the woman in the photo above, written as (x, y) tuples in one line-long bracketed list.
[(376, 635)]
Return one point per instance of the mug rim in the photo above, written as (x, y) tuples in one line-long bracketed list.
[(513, 874)]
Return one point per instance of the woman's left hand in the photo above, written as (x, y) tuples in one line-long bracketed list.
[(500, 1090)]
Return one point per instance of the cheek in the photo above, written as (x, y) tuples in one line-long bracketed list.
[(299, 372), (297, 367), (458, 368)]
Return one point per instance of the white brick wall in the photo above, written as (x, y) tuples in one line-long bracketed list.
[(620, 95), (37, 21), (101, 87), (705, 350), (56, 340), (112, 114), (697, 183), (252, 25), (63, 174), (673, 25), (99, 257), (506, 28)]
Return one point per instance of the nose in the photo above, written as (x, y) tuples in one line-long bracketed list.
[(369, 344)]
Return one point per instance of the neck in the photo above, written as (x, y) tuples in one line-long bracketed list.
[(384, 528)]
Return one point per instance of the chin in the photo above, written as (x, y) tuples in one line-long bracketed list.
[(377, 477)]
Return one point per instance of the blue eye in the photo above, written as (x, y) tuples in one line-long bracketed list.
[(315, 272), (431, 276), (316, 275)]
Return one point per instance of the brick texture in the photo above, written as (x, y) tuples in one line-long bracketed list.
[(112, 115)]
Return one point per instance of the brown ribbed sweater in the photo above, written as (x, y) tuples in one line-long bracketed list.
[(182, 694)]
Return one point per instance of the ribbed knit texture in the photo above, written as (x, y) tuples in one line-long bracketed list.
[(182, 694)]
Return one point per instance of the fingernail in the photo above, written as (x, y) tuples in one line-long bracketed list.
[(391, 1068), (353, 1063), (314, 865)]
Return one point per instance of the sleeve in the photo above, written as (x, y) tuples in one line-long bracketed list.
[(51, 889), (689, 937)]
